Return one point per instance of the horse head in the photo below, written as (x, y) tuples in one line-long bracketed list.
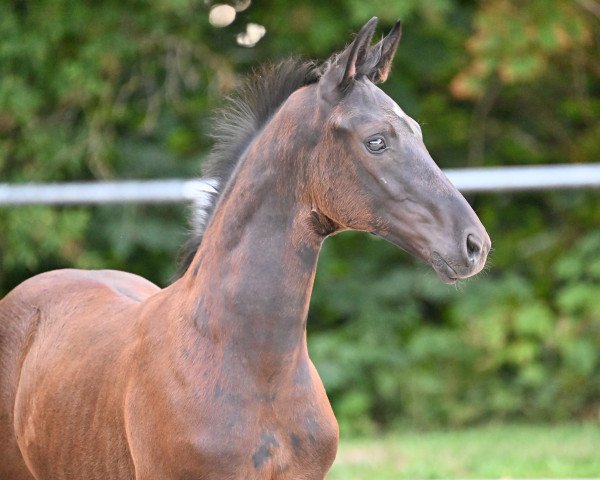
[(372, 171)]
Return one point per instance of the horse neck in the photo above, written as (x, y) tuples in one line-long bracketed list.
[(252, 276)]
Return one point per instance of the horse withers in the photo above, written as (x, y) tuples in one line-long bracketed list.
[(105, 376)]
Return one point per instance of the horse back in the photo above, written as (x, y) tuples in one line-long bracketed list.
[(69, 296)]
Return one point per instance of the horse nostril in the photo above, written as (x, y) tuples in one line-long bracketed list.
[(473, 248)]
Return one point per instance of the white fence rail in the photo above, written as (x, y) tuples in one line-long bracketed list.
[(468, 180)]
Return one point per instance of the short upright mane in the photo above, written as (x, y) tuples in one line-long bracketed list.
[(234, 128)]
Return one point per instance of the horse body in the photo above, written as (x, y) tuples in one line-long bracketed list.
[(221, 380), (213, 406), (105, 376)]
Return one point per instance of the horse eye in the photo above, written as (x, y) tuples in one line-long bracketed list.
[(376, 144)]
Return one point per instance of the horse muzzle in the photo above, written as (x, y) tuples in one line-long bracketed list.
[(473, 252)]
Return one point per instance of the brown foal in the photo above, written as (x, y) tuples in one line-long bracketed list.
[(105, 376)]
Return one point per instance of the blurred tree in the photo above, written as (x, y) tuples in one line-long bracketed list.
[(125, 90)]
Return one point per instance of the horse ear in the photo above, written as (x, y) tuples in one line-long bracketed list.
[(385, 50), (342, 69), (358, 53)]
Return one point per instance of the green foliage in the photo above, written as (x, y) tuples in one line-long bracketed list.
[(126, 90), (518, 43)]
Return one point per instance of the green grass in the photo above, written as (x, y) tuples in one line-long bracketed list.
[(495, 451)]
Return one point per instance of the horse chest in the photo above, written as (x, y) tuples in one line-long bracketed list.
[(276, 439), (267, 452), (235, 429)]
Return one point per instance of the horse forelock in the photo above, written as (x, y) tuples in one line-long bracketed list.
[(233, 128)]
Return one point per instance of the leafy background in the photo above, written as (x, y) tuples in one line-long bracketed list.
[(125, 90)]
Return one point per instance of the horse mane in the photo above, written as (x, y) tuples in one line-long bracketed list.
[(233, 128)]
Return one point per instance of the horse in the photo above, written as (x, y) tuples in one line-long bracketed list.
[(103, 375)]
